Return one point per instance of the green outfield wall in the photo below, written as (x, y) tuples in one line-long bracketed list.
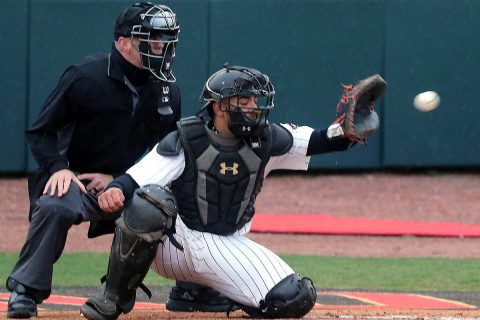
[(307, 48)]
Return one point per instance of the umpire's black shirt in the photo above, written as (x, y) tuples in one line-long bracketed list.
[(95, 120)]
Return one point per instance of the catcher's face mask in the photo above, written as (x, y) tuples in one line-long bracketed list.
[(158, 35), (246, 94), (247, 114)]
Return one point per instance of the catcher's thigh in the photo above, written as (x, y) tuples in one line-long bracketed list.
[(239, 268)]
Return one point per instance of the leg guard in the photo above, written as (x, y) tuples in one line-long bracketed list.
[(293, 297), (129, 262), (130, 259), (137, 235)]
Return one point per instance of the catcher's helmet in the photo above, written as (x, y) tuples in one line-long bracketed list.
[(151, 24), (232, 81)]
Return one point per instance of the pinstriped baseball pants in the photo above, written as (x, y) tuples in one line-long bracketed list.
[(234, 265)]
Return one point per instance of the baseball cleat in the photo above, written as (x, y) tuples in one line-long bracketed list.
[(21, 306), (203, 299)]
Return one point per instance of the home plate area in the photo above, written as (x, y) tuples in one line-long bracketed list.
[(330, 305)]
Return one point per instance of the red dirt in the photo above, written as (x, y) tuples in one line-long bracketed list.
[(441, 197), (327, 314)]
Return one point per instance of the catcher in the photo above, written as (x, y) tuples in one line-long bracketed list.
[(190, 216)]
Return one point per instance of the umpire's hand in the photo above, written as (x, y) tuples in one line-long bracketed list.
[(60, 181), (111, 200), (98, 181)]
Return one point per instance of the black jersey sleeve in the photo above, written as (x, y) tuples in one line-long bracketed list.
[(320, 143)]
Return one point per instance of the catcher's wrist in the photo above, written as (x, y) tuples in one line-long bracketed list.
[(335, 131)]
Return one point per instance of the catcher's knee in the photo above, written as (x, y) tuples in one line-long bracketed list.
[(293, 297), (152, 211)]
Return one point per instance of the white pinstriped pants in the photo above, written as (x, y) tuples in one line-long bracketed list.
[(234, 265)]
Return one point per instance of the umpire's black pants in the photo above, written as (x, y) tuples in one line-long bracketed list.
[(51, 219)]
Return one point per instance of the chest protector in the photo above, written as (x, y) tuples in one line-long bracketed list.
[(222, 177)]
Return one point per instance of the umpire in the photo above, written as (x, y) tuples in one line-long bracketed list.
[(105, 113)]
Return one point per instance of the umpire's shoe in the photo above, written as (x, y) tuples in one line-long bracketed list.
[(190, 297), (22, 304)]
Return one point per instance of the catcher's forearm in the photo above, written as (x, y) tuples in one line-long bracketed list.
[(320, 143), (126, 183)]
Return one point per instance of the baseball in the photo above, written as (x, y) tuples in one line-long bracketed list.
[(426, 101)]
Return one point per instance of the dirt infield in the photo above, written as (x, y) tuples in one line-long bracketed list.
[(436, 197), (326, 314), (330, 305), (322, 314), (441, 197)]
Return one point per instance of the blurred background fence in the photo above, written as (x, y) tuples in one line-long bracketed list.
[(307, 48)]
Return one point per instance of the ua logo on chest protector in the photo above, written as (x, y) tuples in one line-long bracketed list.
[(233, 168)]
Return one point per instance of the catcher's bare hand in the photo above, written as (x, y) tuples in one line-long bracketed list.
[(98, 181), (111, 200), (60, 181)]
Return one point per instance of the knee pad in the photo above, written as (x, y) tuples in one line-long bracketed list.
[(293, 297), (151, 212)]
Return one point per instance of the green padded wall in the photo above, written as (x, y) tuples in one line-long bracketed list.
[(432, 45), (191, 59), (13, 106), (307, 48)]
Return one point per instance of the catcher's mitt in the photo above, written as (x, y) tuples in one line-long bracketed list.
[(355, 113)]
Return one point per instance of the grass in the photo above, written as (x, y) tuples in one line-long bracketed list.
[(77, 269), (400, 274), (342, 273)]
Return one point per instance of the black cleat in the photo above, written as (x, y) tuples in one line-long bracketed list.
[(21, 305), (189, 297)]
